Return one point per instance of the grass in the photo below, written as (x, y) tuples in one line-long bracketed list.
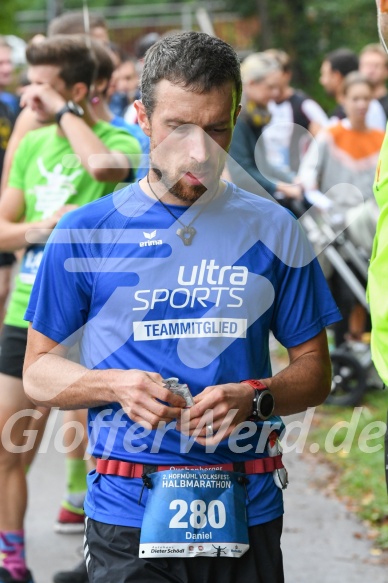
[(359, 472)]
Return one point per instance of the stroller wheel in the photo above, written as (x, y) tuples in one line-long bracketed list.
[(348, 379)]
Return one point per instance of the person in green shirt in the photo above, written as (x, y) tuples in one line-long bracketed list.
[(55, 169), (378, 267), (378, 270)]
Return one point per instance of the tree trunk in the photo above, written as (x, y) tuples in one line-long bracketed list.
[(266, 36)]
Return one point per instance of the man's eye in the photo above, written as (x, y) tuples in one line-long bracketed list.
[(178, 129)]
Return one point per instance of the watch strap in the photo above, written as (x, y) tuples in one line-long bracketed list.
[(260, 389), (255, 384), (67, 108)]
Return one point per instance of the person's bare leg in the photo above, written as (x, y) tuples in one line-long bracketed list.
[(37, 427), (15, 414), (75, 437), (357, 322), (5, 284), (70, 518)]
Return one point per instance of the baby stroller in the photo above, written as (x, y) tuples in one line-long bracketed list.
[(353, 371)]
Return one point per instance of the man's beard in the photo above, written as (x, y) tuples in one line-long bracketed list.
[(183, 192), (187, 193)]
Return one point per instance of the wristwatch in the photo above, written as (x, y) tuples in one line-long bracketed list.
[(263, 402), (70, 107)]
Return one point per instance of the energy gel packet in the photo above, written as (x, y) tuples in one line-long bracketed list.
[(173, 385)]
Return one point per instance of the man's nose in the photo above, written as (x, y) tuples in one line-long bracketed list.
[(199, 145)]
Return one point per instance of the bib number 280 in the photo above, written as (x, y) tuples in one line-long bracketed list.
[(194, 513), (200, 514)]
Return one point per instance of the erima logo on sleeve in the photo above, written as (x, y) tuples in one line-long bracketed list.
[(150, 235), (150, 240)]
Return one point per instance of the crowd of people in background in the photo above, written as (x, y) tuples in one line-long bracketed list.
[(284, 145), (293, 149)]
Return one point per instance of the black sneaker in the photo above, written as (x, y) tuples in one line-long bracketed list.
[(78, 575), (5, 577)]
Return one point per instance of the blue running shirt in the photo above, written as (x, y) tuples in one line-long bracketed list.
[(117, 278)]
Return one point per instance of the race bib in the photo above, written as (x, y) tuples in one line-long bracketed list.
[(192, 513), (30, 264)]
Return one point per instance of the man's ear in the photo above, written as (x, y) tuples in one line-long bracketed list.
[(142, 117), (79, 92), (100, 86), (236, 114)]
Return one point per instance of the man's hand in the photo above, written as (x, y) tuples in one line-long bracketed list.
[(140, 394), (290, 190), (52, 221), (42, 99), (219, 408)]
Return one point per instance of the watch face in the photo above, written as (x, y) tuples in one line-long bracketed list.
[(75, 108), (266, 405)]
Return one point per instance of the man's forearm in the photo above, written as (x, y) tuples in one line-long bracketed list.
[(54, 381), (15, 236), (95, 157), (304, 383)]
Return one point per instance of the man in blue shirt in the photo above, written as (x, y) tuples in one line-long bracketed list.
[(182, 275), (6, 68)]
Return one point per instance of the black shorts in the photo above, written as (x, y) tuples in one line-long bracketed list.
[(13, 342), (7, 259), (111, 554)]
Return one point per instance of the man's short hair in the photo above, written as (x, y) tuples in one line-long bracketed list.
[(282, 58), (146, 42), (355, 78), (104, 62), (193, 60), (73, 23), (343, 60), (70, 53), (375, 48), (258, 66)]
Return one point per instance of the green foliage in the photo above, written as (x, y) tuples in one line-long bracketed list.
[(382, 539), (360, 475), (308, 29), (9, 9)]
